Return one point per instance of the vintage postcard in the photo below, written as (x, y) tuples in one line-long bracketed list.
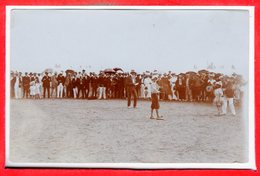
[(139, 87)]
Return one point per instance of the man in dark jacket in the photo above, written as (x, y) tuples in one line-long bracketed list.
[(26, 85), (131, 84), (61, 81), (46, 80)]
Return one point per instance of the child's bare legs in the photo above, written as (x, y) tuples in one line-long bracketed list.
[(157, 114), (151, 117), (219, 110)]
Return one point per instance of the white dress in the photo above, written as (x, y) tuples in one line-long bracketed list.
[(147, 84), (37, 88), (32, 88), (172, 82)]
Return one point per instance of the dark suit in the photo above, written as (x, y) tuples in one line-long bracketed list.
[(81, 87), (131, 90), (181, 87), (26, 86), (46, 82)]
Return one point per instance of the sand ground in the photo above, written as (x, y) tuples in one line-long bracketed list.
[(93, 131)]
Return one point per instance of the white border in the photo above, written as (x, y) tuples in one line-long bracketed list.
[(251, 163)]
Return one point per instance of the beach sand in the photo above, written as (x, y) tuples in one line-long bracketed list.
[(106, 131)]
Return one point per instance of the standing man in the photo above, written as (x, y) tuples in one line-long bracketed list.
[(46, 82), (61, 81), (228, 98), (102, 87), (81, 85), (26, 85), (131, 84)]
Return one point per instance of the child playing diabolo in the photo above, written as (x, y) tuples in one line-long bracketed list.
[(154, 97)]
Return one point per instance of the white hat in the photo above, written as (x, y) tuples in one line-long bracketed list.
[(155, 77)]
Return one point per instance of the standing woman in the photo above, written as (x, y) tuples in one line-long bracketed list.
[(173, 80), (18, 86), (155, 99)]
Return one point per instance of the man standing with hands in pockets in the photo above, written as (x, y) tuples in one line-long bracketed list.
[(131, 84)]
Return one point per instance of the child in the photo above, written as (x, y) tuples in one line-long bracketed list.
[(37, 89), (32, 89), (155, 100), (218, 100)]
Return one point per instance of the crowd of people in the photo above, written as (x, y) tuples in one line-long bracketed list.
[(191, 86)]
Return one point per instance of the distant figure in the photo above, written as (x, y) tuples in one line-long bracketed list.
[(228, 99), (155, 99), (131, 84), (218, 100)]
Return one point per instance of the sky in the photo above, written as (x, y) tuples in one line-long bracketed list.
[(176, 40)]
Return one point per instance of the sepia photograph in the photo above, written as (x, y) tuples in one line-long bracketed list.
[(130, 87)]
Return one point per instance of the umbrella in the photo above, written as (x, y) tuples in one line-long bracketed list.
[(69, 71), (203, 71), (117, 69), (108, 70), (49, 70), (191, 72), (120, 71)]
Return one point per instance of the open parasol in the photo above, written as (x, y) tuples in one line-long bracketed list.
[(203, 71), (110, 71), (117, 69), (69, 71), (191, 72)]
